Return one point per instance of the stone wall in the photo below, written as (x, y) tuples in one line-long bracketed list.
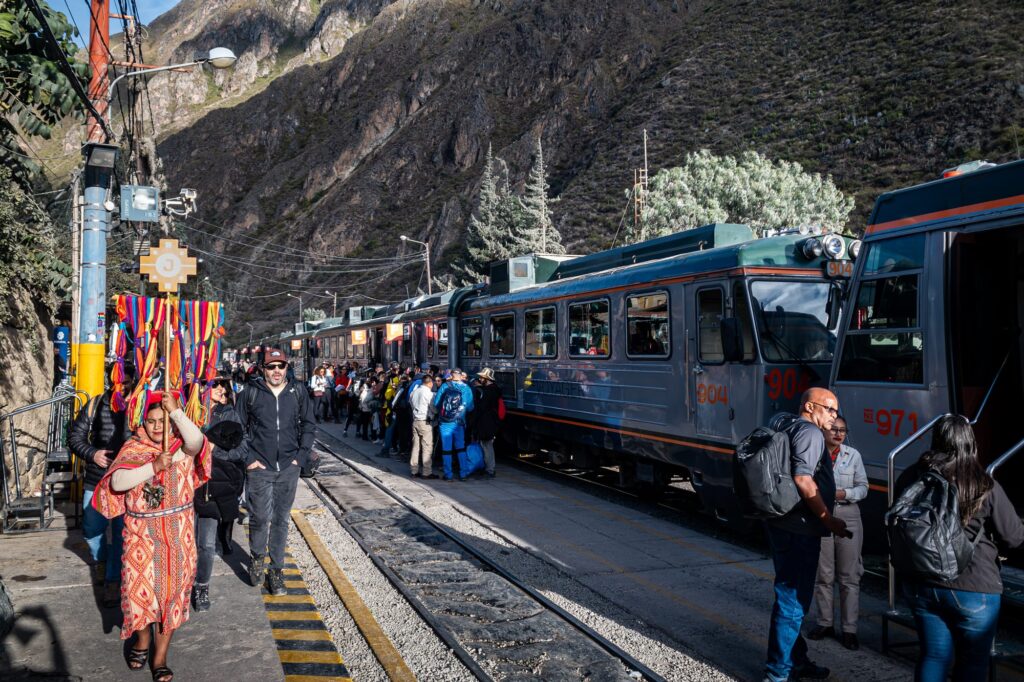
[(26, 376)]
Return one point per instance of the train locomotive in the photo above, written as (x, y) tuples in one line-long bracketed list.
[(656, 358)]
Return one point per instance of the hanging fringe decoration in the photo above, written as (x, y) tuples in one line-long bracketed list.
[(196, 326)]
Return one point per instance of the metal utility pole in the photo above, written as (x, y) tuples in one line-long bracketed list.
[(426, 256), (640, 195), (299, 297), (99, 173), (334, 310)]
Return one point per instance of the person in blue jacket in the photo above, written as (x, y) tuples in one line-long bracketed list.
[(454, 400)]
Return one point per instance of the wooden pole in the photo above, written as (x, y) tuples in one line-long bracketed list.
[(167, 368)]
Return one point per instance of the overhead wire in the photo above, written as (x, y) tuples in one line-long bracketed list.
[(283, 250), (354, 270)]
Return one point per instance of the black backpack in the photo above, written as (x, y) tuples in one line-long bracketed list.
[(926, 540), (762, 474)]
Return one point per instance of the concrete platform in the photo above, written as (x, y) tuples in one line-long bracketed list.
[(63, 633), (704, 593)]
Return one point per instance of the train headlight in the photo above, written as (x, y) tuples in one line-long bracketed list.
[(855, 248), (834, 246), (812, 248)]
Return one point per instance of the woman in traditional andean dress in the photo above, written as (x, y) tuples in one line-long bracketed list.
[(155, 489)]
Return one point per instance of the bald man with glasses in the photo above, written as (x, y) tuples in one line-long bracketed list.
[(795, 539)]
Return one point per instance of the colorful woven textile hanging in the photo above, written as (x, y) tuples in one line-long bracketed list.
[(196, 328)]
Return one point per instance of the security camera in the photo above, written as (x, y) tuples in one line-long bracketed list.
[(109, 205), (188, 194)]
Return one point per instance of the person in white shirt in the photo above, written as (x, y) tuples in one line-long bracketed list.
[(422, 430), (840, 561)]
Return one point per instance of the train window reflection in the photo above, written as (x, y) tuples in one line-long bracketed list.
[(791, 321), (472, 342), (887, 303), (442, 339), (431, 330), (541, 334), (647, 325), (710, 308), (503, 335), (891, 357), (588, 329), (894, 255)]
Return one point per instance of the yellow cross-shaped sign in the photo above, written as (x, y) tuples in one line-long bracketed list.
[(168, 265)]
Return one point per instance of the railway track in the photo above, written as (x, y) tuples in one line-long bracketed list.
[(495, 623)]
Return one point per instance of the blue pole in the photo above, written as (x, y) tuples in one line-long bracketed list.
[(92, 323)]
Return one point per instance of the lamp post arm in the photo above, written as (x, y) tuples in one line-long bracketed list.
[(187, 65)]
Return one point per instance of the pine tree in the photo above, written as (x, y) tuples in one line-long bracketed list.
[(540, 235)]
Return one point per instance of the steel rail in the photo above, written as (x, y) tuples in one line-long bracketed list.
[(633, 664)]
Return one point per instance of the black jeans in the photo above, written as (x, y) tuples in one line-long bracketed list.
[(270, 494)]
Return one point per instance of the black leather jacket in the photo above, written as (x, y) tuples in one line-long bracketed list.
[(97, 427)]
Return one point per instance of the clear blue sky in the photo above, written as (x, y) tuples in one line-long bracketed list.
[(79, 12)]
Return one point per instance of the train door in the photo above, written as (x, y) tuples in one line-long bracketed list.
[(986, 308), (378, 346), (891, 375), (709, 397), (743, 397)]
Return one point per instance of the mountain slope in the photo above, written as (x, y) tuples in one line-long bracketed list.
[(342, 154)]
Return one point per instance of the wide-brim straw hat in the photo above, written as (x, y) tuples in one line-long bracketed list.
[(486, 373)]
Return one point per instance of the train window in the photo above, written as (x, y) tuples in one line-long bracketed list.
[(359, 342), (741, 311), (710, 310), (503, 335), (442, 339), (895, 255), (406, 341), (791, 320), (351, 347), (342, 342), (588, 329), (541, 339), (884, 342), (472, 341), (431, 330), (647, 325)]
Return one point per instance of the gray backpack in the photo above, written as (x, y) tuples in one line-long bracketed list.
[(762, 473), (926, 539)]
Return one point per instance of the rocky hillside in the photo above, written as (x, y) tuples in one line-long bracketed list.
[(348, 123)]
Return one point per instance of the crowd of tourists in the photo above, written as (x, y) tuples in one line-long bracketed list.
[(168, 506)]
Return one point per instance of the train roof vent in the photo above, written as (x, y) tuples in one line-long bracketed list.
[(523, 271), (687, 241)]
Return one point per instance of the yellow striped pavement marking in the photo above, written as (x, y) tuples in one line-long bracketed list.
[(293, 615), (314, 678), (287, 635), (384, 650), (309, 656), (288, 599)]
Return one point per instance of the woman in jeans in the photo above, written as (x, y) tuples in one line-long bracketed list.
[(318, 387), (216, 502), (957, 619)]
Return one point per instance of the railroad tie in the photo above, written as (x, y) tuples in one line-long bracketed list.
[(304, 645)]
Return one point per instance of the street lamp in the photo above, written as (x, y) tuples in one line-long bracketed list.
[(218, 58), (426, 247), (334, 310), (249, 324), (299, 297)]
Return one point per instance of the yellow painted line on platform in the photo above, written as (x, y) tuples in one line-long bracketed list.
[(291, 571), (314, 678), (287, 656), (293, 615), (295, 583), (288, 599), (285, 634), (392, 662)]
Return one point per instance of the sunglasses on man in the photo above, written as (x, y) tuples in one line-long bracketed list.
[(276, 365)]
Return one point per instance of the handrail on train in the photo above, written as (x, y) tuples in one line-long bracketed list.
[(891, 462)]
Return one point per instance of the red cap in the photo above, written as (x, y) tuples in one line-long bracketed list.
[(274, 355), (154, 398)]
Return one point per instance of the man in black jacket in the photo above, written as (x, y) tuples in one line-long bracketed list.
[(96, 436), (280, 426)]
